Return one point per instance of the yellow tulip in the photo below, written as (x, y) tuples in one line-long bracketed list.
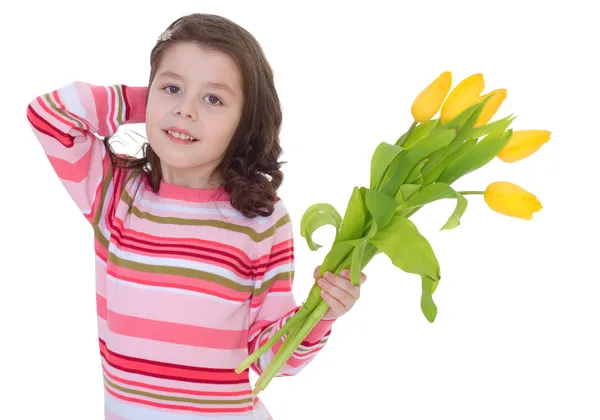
[(511, 200), (523, 143), (429, 101), (491, 106), (465, 94)]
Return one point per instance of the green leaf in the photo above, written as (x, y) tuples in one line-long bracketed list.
[(464, 132), (448, 160), (383, 155), (495, 127), (404, 163), (354, 220), (479, 155), (314, 217), (434, 192), (419, 132), (415, 176), (408, 250), (382, 208), (405, 192), (459, 210), (428, 306)]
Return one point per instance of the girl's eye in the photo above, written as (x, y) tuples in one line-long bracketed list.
[(212, 96), (170, 90)]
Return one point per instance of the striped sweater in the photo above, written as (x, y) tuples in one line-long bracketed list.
[(186, 286)]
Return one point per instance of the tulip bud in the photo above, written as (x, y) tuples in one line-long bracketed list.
[(465, 94), (490, 108), (511, 200), (429, 101), (522, 144)]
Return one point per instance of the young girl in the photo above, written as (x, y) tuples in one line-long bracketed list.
[(194, 249)]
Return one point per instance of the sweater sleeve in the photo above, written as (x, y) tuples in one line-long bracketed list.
[(273, 303), (66, 121)]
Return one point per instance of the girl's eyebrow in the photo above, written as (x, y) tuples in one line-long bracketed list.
[(216, 85)]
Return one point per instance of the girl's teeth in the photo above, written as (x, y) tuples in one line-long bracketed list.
[(180, 135)]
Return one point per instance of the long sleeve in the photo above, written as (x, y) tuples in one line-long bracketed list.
[(273, 303), (66, 121)]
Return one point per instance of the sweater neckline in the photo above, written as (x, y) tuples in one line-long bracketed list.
[(198, 195)]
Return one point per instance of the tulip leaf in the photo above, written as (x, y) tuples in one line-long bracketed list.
[(476, 157), (493, 128), (415, 176), (383, 155), (448, 160), (408, 250), (428, 306), (405, 192), (419, 132), (402, 165), (382, 208), (434, 192), (316, 216), (354, 220), (465, 130), (454, 219)]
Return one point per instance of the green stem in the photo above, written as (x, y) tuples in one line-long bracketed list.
[(403, 139), (294, 321), (292, 342), (471, 192)]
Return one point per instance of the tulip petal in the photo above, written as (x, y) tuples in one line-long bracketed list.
[(522, 144), (429, 101), (511, 200), (465, 94), (491, 107)]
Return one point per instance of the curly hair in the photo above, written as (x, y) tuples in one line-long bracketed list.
[(250, 168)]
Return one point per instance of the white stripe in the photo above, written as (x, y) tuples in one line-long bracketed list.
[(171, 290), (200, 209), (72, 101), (182, 263), (135, 411), (282, 268), (107, 120)]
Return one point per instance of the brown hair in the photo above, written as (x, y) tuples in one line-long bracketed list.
[(254, 150)]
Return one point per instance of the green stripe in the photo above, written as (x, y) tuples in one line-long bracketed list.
[(285, 275), (119, 113), (97, 232), (174, 398), (179, 271), (253, 234), (62, 112)]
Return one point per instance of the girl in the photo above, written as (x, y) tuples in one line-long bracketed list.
[(194, 249)]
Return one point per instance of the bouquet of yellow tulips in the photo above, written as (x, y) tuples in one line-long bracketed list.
[(419, 168)]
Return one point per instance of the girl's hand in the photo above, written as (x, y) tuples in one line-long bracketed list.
[(338, 292)]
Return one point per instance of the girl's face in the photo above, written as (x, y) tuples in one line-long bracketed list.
[(196, 91)]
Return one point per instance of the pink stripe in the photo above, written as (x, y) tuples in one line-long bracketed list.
[(171, 332), (230, 242), (74, 172), (179, 282), (181, 391), (180, 406), (199, 388), (113, 109), (189, 309), (170, 352)]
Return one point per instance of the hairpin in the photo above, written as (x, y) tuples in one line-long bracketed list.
[(166, 35)]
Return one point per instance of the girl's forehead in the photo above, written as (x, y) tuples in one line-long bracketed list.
[(194, 62)]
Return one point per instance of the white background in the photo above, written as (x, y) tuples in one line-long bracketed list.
[(517, 329)]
